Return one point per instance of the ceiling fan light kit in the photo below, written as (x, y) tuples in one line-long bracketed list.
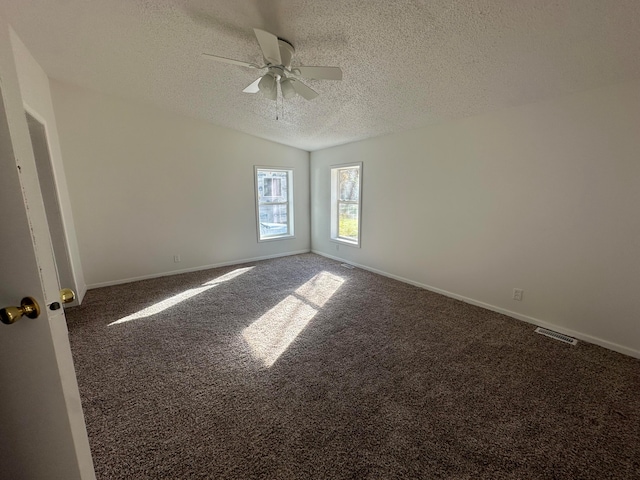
[(286, 86), (268, 86), (277, 54)]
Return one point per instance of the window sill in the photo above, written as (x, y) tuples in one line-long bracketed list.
[(343, 241), (279, 237)]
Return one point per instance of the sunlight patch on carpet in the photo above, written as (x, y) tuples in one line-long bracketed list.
[(270, 335), (228, 276), (181, 297)]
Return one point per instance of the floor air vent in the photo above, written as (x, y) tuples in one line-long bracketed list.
[(556, 335), (346, 265)]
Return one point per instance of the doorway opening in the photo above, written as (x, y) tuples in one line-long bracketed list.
[(47, 180)]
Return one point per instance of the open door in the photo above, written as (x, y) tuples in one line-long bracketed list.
[(42, 430)]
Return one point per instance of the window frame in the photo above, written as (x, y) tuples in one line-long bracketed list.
[(289, 203), (336, 202)]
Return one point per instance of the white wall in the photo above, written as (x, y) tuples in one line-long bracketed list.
[(543, 197), (34, 87), (146, 184)]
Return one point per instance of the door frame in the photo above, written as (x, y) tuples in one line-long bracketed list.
[(53, 208)]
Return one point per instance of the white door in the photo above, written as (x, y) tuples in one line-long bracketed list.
[(42, 430)]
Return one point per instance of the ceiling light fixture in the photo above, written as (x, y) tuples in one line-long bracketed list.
[(288, 90), (268, 86), (277, 53)]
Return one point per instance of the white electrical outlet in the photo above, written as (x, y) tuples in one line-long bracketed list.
[(176, 259), (337, 247), (517, 294)]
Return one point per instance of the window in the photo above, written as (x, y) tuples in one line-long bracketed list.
[(274, 202), (346, 190)]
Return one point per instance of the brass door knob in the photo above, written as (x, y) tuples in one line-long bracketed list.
[(67, 295), (28, 307)]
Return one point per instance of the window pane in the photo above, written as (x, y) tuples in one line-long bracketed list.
[(348, 221), (349, 184), (273, 220), (272, 186)]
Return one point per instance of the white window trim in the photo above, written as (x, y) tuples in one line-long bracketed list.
[(289, 203), (334, 205)]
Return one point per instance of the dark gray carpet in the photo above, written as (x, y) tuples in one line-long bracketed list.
[(386, 381)]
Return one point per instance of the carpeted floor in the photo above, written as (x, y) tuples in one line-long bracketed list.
[(301, 368)]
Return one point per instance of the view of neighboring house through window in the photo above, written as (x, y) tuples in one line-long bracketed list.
[(346, 188), (274, 202)]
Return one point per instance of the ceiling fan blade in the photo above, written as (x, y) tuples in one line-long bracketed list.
[(269, 46), (319, 73), (231, 61), (253, 88), (302, 90)]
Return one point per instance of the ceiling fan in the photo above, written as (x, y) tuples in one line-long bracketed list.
[(277, 54)]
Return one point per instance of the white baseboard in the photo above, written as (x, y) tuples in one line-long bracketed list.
[(518, 316), (194, 269)]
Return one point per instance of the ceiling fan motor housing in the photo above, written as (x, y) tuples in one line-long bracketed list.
[(286, 52), (277, 72)]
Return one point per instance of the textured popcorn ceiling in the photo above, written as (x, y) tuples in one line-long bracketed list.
[(405, 63)]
